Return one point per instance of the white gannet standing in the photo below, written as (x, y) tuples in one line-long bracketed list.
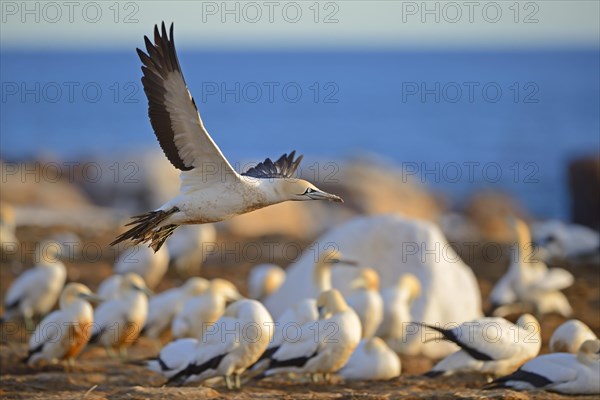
[(211, 190), (558, 372), (36, 290), (151, 266), (118, 322), (372, 360), (491, 346), (174, 357), (110, 288), (163, 307), (366, 301), (188, 247), (200, 312), (324, 346), (569, 337), (288, 327), (529, 281), (264, 279), (231, 345), (62, 334), (397, 301)]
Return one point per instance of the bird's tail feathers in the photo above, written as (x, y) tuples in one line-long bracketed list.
[(146, 228)]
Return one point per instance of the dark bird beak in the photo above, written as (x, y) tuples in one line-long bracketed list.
[(321, 195)]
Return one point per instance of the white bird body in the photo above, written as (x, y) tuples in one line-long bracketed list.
[(200, 312), (529, 281), (63, 333), (569, 337), (372, 360), (559, 372), (324, 345), (366, 301), (174, 357), (492, 346), (566, 241), (231, 345), (211, 190), (265, 279), (397, 300), (164, 307), (110, 288), (118, 322), (290, 322), (36, 290), (151, 266)]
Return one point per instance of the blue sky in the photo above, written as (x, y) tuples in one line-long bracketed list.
[(78, 25)]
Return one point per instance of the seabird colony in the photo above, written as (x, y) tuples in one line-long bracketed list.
[(356, 336)]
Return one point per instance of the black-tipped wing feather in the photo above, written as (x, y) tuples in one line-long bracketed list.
[(532, 378), (291, 362), (284, 167), (195, 369), (450, 336), (173, 112)]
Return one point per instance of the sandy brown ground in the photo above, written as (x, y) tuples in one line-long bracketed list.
[(98, 376)]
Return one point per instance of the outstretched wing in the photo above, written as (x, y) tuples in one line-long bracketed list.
[(284, 167), (174, 115)]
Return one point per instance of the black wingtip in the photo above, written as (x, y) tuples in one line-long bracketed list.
[(433, 374), (163, 30)]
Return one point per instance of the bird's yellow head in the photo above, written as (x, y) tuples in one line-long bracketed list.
[(589, 352), (133, 281), (367, 279), (331, 302), (195, 286), (411, 284), (74, 291)]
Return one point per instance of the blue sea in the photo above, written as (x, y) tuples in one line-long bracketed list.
[(458, 121)]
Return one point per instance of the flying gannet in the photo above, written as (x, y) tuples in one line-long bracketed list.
[(118, 322), (558, 372), (63, 333), (529, 281), (211, 190), (372, 360), (323, 346), (366, 301), (230, 346), (36, 290), (265, 279), (491, 346), (569, 337), (163, 307)]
